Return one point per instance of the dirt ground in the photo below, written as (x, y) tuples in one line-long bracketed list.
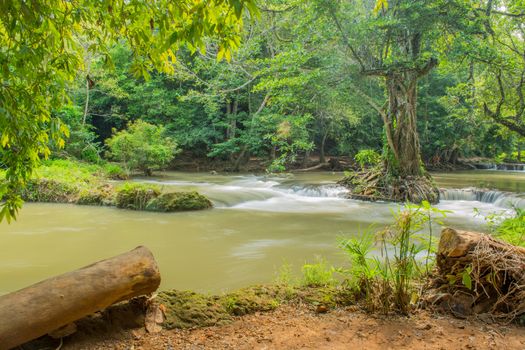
[(302, 328)]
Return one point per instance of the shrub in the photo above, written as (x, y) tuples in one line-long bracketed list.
[(179, 201), (367, 157), (135, 196), (142, 147)]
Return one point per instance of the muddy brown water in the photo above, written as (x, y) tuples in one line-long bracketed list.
[(258, 224)]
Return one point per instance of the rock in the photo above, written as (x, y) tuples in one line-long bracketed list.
[(321, 309), (179, 201)]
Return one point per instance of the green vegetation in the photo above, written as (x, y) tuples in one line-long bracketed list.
[(508, 228), (45, 45), (142, 146), (421, 83), (184, 309), (318, 274), (512, 229), (367, 157), (135, 196), (179, 201), (388, 282), (66, 181)]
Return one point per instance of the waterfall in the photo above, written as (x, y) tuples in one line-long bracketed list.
[(501, 167), (498, 198)]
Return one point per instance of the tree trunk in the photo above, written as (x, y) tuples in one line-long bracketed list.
[(401, 127), (322, 157), (53, 303), (477, 273)]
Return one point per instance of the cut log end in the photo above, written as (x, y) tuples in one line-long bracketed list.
[(485, 271)]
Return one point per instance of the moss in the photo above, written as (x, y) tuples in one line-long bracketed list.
[(179, 201), (250, 300), (184, 309), (135, 196)]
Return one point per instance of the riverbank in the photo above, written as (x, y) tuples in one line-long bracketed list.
[(65, 181), (303, 321)]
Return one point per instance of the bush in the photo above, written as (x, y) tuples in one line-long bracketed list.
[(179, 201), (135, 196), (142, 147), (367, 157)]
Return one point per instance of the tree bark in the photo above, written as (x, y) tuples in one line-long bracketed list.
[(53, 303), (322, 157), (402, 117)]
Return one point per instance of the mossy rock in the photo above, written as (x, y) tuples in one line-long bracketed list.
[(185, 309), (179, 201), (102, 195), (250, 300), (135, 196), (45, 190)]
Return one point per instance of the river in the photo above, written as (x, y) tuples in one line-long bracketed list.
[(258, 224)]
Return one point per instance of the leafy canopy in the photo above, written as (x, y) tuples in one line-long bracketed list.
[(42, 46)]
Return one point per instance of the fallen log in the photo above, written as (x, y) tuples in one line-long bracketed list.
[(315, 167), (479, 274), (55, 302)]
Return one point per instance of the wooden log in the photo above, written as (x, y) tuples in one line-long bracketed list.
[(48, 305), (480, 274), (457, 246)]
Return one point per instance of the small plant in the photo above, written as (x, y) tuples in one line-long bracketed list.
[(367, 157), (317, 274), (510, 229)]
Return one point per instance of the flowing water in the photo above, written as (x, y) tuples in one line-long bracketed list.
[(258, 224)]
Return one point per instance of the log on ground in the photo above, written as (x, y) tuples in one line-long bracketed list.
[(53, 303)]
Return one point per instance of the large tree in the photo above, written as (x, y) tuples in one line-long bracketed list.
[(397, 42), (43, 46)]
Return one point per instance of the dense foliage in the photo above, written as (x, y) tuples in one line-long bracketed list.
[(418, 82), (45, 44)]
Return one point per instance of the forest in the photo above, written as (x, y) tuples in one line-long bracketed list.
[(352, 148)]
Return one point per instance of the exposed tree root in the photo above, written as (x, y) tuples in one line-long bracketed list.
[(376, 185)]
